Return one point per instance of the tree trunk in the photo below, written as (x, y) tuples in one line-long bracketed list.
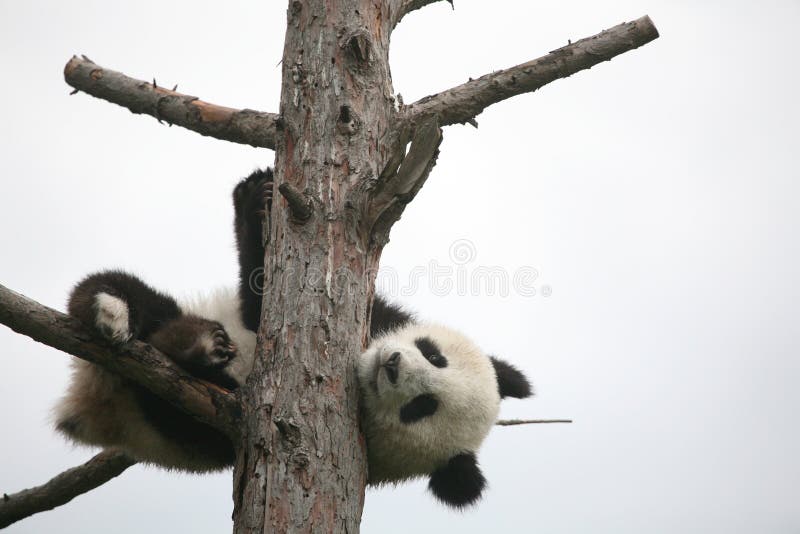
[(302, 463)]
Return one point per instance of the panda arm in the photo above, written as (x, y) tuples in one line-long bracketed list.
[(249, 199)]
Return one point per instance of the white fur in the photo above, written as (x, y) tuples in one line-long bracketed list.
[(466, 390), (112, 317), (222, 306)]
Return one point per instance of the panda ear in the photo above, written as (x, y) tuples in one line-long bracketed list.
[(510, 380), (460, 482)]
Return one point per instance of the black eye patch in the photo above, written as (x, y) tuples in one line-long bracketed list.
[(431, 351), (421, 406)]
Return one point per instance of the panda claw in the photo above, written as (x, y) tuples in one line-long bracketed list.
[(223, 350)]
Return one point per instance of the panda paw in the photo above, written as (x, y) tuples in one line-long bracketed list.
[(112, 318), (202, 347), (212, 360), (219, 349), (251, 195)]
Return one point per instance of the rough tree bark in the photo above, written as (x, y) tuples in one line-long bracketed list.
[(345, 177), (302, 466)]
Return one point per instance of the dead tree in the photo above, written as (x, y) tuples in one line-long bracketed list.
[(348, 158)]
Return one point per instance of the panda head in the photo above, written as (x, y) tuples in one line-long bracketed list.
[(430, 397)]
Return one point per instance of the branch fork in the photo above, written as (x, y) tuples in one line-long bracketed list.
[(394, 190)]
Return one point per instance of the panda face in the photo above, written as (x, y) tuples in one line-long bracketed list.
[(429, 394)]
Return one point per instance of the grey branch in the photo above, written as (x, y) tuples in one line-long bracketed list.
[(393, 192), (404, 7), (137, 361), (514, 422), (244, 126), (64, 487), (461, 104)]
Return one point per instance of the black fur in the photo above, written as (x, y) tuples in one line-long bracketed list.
[(418, 408), (431, 351), (206, 444), (510, 380), (387, 316), (249, 199), (460, 482), (155, 318), (148, 309)]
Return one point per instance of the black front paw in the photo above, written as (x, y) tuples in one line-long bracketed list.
[(250, 197)]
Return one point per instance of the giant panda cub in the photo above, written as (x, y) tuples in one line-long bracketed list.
[(429, 394)]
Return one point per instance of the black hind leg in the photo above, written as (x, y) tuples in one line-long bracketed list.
[(249, 199), (120, 306)]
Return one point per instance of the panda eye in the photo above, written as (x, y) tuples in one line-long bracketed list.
[(431, 351), (437, 360)]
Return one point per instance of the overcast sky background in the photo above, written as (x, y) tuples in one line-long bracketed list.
[(655, 195)]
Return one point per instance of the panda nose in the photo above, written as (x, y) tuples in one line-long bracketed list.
[(391, 366)]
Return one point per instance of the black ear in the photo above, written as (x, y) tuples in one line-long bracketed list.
[(460, 482), (510, 380)]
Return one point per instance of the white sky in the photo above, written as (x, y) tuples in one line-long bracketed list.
[(656, 196)]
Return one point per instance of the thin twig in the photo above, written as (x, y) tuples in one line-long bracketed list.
[(395, 190), (245, 126), (62, 488), (512, 422)]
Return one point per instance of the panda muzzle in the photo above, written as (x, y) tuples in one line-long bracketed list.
[(391, 365)]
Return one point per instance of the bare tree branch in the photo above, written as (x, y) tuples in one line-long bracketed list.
[(404, 7), (461, 104), (245, 126), (64, 487), (137, 361), (513, 422)]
